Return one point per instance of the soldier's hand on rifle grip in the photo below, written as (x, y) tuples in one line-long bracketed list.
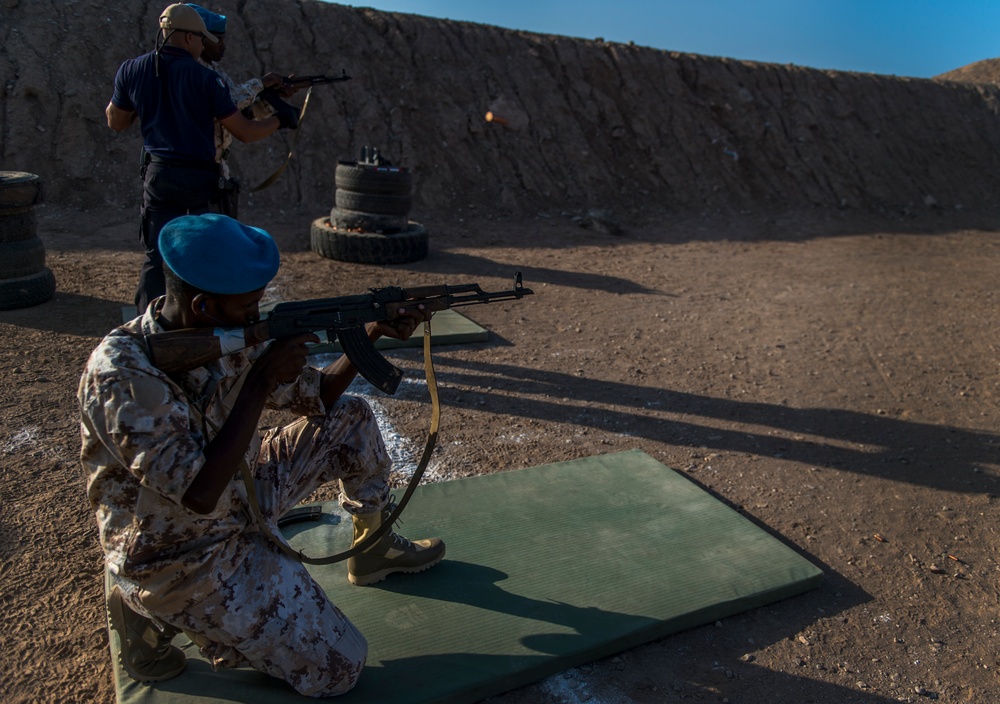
[(406, 323), (286, 88), (273, 80), (283, 361)]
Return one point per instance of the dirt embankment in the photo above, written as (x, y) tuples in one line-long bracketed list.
[(591, 124)]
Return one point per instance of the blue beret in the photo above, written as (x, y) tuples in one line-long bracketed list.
[(217, 254), (214, 22)]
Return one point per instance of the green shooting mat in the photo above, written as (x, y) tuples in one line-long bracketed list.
[(547, 568), (448, 327)]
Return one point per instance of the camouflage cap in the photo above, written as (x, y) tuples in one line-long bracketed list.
[(182, 18)]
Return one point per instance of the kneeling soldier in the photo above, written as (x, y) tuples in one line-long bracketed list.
[(162, 455)]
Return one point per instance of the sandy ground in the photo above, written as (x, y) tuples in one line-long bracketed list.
[(833, 378)]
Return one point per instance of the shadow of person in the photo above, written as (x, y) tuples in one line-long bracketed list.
[(936, 455), (479, 586), (562, 636), (544, 637)]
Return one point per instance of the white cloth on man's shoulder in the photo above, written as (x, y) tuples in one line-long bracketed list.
[(244, 95)]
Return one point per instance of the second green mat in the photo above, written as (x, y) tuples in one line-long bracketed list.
[(547, 568)]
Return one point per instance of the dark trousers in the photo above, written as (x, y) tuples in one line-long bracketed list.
[(227, 199), (169, 191)]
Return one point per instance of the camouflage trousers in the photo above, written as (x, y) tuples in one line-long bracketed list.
[(270, 614)]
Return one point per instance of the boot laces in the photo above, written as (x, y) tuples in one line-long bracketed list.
[(164, 635), (398, 541)]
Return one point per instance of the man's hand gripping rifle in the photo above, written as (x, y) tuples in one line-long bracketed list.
[(270, 99), (342, 317)]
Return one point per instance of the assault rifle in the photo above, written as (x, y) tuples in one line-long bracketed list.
[(270, 102), (318, 79), (343, 317)]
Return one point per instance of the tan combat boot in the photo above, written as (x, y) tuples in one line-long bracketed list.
[(146, 653), (392, 553)]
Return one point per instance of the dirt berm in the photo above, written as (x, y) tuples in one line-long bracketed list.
[(591, 124)]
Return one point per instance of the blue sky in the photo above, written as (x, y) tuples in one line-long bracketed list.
[(903, 37)]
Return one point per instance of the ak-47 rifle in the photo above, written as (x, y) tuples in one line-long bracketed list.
[(269, 103), (318, 79), (342, 317), (272, 103)]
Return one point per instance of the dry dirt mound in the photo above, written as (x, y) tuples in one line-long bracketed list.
[(590, 124), (985, 71)]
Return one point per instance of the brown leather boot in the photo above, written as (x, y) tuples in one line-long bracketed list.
[(392, 553), (146, 653)]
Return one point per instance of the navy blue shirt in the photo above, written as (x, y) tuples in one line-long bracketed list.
[(176, 109)]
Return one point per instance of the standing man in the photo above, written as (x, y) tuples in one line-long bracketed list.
[(244, 95), (163, 454), (177, 101)]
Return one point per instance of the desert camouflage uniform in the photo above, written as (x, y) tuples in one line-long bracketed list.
[(216, 576), (244, 96)]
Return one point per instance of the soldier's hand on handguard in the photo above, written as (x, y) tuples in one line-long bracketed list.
[(274, 81), (283, 361), (406, 323), (286, 88), (282, 85)]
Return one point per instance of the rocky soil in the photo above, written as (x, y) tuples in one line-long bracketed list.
[(834, 379)]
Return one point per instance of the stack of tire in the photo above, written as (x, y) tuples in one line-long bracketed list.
[(24, 279), (370, 222)]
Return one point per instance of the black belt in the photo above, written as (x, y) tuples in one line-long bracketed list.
[(184, 163)]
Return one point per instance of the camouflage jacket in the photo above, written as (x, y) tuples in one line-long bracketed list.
[(244, 95), (143, 435)]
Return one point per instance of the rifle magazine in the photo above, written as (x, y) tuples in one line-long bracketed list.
[(363, 355)]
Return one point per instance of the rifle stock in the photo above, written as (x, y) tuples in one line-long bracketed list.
[(181, 350), (343, 317)]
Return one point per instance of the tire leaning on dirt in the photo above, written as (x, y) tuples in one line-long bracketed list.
[(27, 291), (385, 180), (19, 189), (21, 258), (409, 245)]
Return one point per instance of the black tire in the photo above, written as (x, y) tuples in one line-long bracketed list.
[(19, 189), (17, 224), (22, 258), (367, 222), (409, 245), (375, 203), (384, 180), (27, 291)]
